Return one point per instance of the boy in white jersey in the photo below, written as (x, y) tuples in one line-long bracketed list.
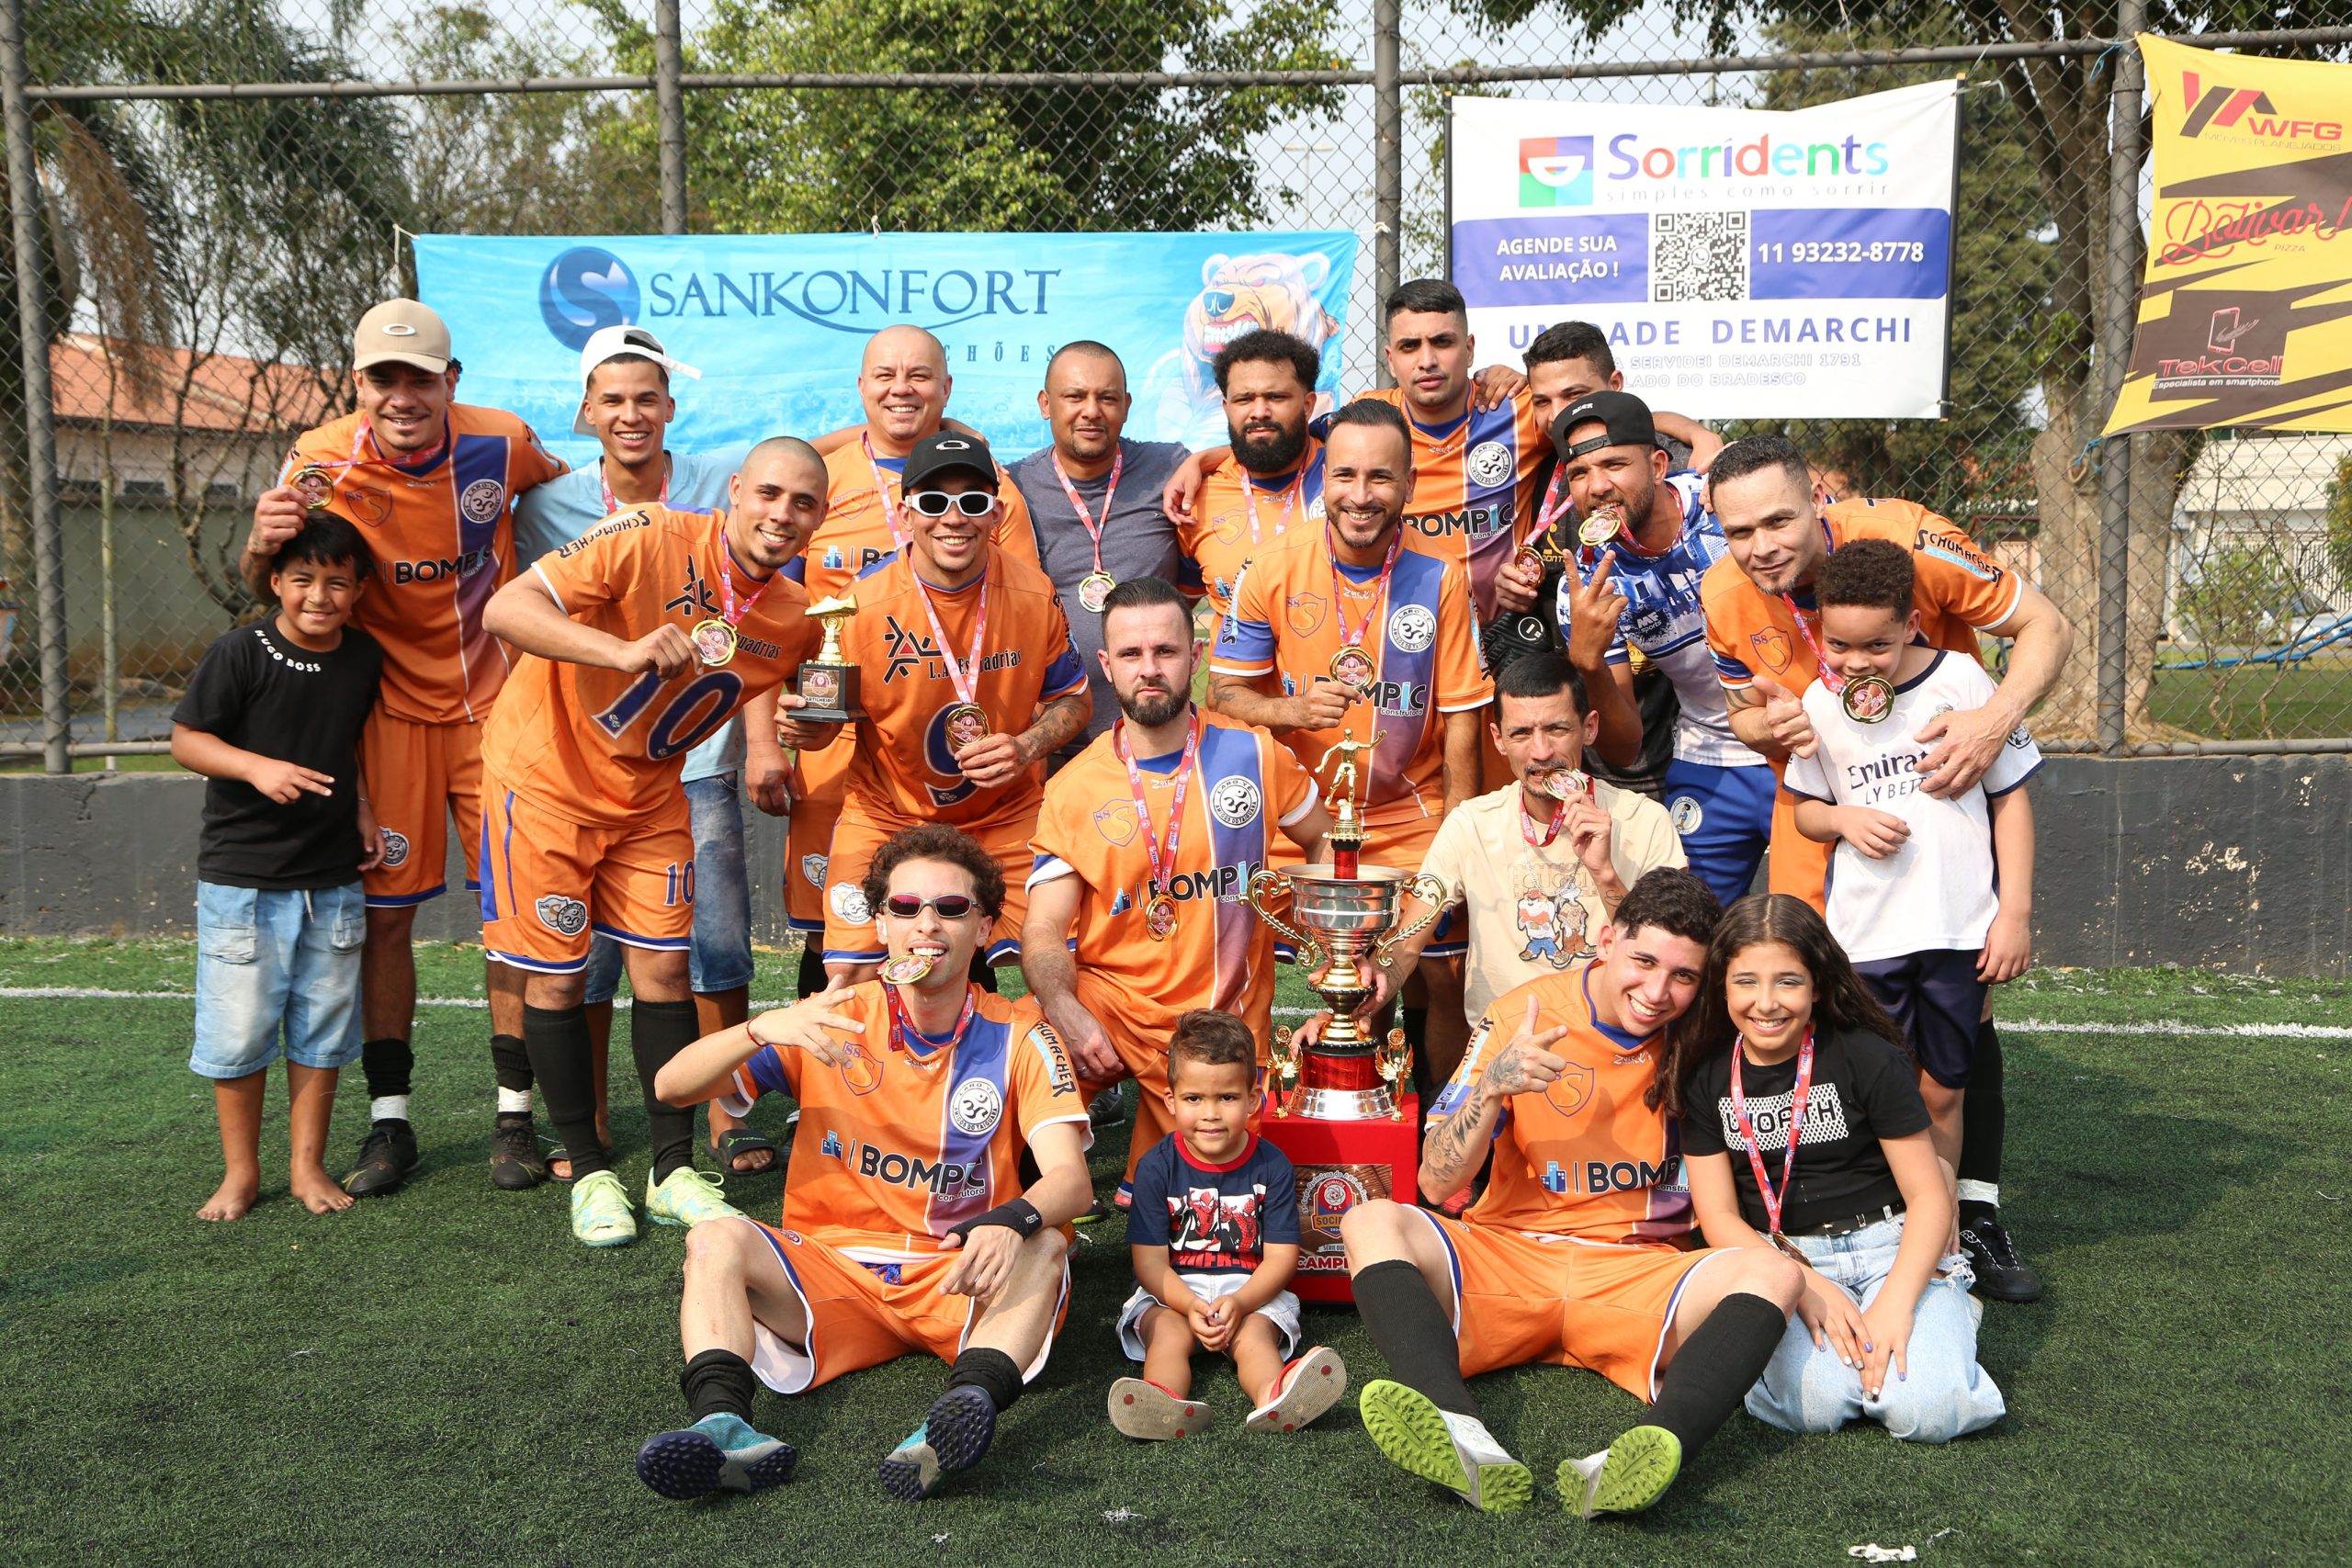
[(1932, 897)]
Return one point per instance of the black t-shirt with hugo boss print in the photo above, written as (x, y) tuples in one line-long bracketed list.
[(261, 693), (1864, 1089)]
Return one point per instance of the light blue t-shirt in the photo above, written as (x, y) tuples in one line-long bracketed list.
[(551, 515)]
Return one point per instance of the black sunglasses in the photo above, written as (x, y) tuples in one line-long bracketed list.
[(951, 906), (935, 502)]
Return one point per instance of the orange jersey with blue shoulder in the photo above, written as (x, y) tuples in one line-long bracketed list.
[(1474, 486), (602, 747), (1237, 516), (857, 536), (442, 531), (903, 765), (1586, 1157), (910, 1137)]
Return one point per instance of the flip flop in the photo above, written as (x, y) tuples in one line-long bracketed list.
[(739, 1141)]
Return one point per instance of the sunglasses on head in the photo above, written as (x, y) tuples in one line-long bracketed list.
[(936, 503), (906, 906)]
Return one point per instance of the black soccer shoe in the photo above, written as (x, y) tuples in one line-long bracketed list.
[(386, 1158), (2000, 1272), (954, 1433), (516, 1164), (1110, 1107)]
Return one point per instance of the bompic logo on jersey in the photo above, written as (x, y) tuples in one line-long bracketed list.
[(975, 1107), (847, 900), (1412, 627), (482, 500), (1555, 171), (395, 849), (1488, 463), (584, 288), (565, 917), (1234, 800)]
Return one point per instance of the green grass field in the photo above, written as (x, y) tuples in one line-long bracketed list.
[(444, 1376)]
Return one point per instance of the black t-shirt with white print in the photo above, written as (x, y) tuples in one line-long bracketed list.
[(1864, 1089)]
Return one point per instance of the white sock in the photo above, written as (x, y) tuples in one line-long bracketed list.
[(512, 1101), (1981, 1192), (388, 1107)]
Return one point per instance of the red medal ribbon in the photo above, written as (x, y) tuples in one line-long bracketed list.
[(1527, 823), (365, 436), (729, 613), (1772, 1200), (1119, 464), (612, 505), (901, 1025), (1829, 678), (1249, 495), (1162, 873), (1379, 586), (965, 685), (882, 492)]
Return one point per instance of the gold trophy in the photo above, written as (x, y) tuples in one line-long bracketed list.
[(828, 684), (1341, 914)]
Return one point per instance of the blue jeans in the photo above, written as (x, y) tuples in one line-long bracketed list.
[(268, 961), (721, 956), (1806, 1389)]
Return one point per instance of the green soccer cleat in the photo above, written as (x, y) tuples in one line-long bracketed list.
[(1624, 1478), (1455, 1451), (600, 1213), (954, 1433), (688, 1198)]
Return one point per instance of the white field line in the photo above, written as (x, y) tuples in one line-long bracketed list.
[(2014, 1025)]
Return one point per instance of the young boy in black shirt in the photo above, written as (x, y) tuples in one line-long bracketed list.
[(271, 717)]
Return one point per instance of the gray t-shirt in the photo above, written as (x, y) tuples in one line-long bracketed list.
[(1138, 540)]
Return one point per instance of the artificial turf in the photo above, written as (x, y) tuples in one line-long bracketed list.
[(444, 1376)]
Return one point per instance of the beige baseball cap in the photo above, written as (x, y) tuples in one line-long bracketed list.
[(611, 342), (402, 331)]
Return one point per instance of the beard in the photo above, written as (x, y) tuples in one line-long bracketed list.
[(1152, 708), (1270, 451)]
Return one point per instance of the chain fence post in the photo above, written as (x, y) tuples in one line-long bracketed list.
[(669, 110), (2117, 312), (40, 437), (1387, 166)]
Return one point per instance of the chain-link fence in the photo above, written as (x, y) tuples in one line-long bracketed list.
[(223, 185)]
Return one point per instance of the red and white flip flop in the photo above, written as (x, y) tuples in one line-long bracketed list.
[(1140, 1408), (1310, 1385)]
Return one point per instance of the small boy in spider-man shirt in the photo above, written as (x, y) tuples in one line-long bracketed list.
[(1214, 1234)]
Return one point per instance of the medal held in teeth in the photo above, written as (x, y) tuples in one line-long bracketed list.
[(1562, 783), (908, 968), (1868, 700), (1603, 525)]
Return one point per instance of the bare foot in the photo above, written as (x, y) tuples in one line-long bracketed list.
[(561, 1168), (318, 1190), (232, 1199)]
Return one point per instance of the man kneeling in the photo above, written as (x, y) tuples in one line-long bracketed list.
[(905, 1227), (1570, 1257)]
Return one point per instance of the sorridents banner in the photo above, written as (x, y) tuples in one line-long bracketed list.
[(1745, 263), (776, 322), (2245, 311)]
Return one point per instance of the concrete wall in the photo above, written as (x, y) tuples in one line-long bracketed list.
[(2237, 863)]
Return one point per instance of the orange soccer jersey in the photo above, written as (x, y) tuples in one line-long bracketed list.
[(600, 746), (1284, 631), (1225, 530), (442, 531), (906, 1139), (1473, 487)]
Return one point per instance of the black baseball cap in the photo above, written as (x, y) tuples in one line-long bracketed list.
[(1624, 418), (944, 454)]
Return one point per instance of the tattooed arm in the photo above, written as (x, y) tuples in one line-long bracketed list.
[(1457, 1144)]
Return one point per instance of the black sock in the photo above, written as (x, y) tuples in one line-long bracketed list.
[(1410, 1330), (991, 1371), (656, 1032), (812, 967), (387, 1064), (1983, 1119), (983, 973), (1716, 1366), (717, 1383), (510, 1063), (557, 1039)]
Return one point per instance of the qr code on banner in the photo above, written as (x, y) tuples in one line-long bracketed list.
[(1698, 255)]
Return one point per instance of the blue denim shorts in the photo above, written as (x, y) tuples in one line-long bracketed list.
[(268, 961), (721, 956)]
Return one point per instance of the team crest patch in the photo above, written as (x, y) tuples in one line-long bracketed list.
[(395, 849), (1305, 612), (975, 1108), (1683, 811), (1116, 822), (367, 505), (2018, 738), (847, 901), (1771, 646), (1412, 627), (1490, 463), (860, 1068), (565, 917), (812, 870), (1235, 801), (1571, 1090), (1315, 509), (483, 501)]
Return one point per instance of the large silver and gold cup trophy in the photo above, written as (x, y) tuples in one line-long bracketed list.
[(1342, 1107)]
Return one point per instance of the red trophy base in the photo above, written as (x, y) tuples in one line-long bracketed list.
[(1341, 1164)]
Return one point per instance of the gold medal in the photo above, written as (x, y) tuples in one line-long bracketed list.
[(966, 722), (714, 641), (1094, 591), (1560, 784), (908, 968), (1868, 700), (1601, 526), (314, 484), (1528, 561), (1351, 668), (1159, 916)]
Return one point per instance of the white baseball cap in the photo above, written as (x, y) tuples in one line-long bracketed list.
[(612, 342)]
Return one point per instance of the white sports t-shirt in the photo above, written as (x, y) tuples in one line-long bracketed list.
[(1936, 891)]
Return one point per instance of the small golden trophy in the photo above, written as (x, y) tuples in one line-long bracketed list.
[(828, 684)]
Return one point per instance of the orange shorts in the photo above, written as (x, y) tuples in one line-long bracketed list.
[(817, 781), (860, 834), (1518, 1298), (1796, 865), (416, 775), (1145, 1058), (549, 885), (862, 1315)]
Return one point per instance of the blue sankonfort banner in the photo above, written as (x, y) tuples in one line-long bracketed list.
[(776, 324)]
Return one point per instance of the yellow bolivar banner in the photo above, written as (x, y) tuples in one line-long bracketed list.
[(2245, 311)]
